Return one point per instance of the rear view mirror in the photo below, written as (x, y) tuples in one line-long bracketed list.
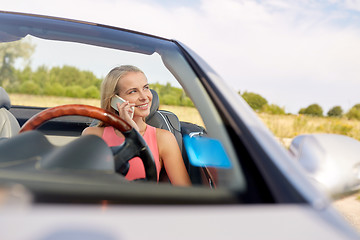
[(332, 161), (206, 152)]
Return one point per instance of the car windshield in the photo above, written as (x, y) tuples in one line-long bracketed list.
[(52, 62)]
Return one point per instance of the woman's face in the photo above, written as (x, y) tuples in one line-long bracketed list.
[(134, 88)]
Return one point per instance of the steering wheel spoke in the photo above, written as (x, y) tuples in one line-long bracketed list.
[(133, 146)]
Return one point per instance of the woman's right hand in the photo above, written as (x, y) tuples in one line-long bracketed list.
[(126, 111)]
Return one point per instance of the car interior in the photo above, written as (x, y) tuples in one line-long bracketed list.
[(70, 126), (59, 138)]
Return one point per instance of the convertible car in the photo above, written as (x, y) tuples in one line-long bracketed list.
[(57, 184)]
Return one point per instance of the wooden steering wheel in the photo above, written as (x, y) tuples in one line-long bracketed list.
[(134, 145)]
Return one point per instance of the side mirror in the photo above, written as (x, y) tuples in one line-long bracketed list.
[(332, 161), (206, 152)]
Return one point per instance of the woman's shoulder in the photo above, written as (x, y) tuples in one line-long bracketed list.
[(94, 131), (163, 135), (162, 132)]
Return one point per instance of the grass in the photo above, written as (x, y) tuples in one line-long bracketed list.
[(49, 101), (283, 126), (289, 126), (186, 114)]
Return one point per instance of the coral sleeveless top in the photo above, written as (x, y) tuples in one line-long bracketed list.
[(136, 169)]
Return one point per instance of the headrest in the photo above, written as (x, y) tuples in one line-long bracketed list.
[(4, 99), (154, 105)]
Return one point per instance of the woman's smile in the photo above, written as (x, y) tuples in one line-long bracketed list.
[(143, 106)]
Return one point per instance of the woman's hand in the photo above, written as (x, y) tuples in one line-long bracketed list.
[(126, 110)]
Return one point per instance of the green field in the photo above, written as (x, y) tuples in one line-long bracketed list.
[(283, 126), (289, 126), (187, 114)]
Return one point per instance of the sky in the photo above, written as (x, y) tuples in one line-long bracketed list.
[(292, 52)]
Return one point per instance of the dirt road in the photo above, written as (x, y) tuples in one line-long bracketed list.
[(350, 208)]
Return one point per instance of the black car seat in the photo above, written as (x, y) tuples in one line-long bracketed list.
[(9, 126), (169, 121), (164, 119)]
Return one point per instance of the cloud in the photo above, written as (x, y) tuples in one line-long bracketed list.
[(294, 53), (352, 4)]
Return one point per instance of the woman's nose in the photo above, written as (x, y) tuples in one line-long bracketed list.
[(143, 95)]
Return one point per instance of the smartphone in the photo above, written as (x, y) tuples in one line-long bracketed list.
[(116, 99)]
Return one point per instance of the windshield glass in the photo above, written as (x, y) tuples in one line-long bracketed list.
[(47, 63)]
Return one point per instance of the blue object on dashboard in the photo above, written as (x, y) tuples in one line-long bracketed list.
[(199, 154)]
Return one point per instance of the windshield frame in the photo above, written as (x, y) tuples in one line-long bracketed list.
[(19, 26)]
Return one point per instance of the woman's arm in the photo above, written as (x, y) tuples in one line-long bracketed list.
[(170, 155)]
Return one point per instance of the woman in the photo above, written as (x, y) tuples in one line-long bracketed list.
[(130, 83)]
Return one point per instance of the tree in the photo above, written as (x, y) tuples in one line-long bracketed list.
[(356, 106), (335, 111), (29, 87), (302, 111), (273, 109), (169, 95), (312, 110), (74, 91), (55, 89), (255, 101), (92, 92), (354, 112), (9, 52)]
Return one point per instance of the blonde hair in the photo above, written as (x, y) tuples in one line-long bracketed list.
[(109, 86)]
